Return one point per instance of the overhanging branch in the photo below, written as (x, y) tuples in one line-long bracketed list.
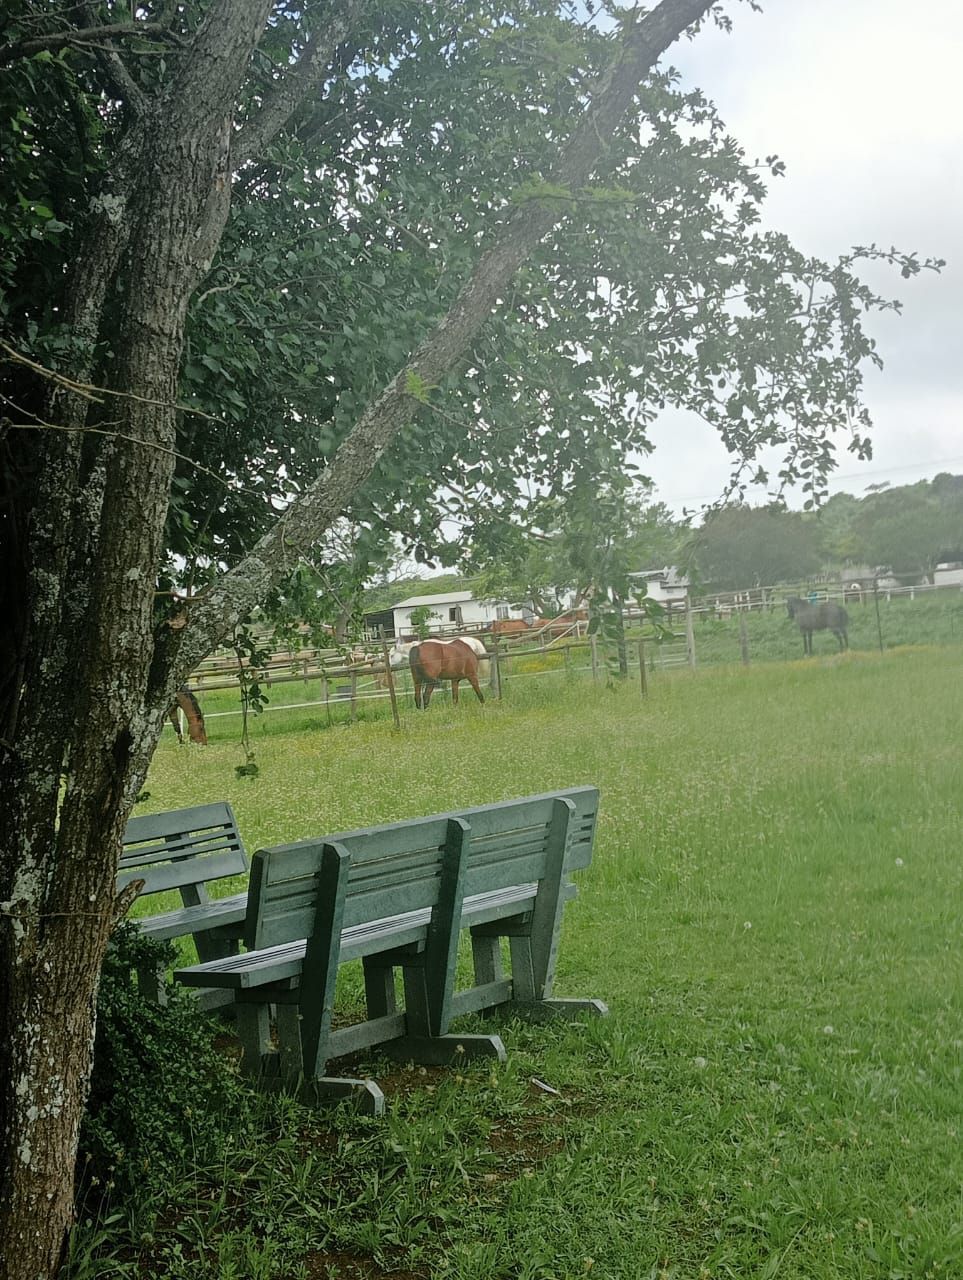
[(306, 520), (108, 31)]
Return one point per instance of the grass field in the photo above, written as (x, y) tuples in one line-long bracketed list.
[(774, 917)]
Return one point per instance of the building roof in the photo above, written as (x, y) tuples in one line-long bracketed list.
[(453, 597), (669, 574)]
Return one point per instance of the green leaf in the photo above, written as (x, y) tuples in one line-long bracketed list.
[(417, 388)]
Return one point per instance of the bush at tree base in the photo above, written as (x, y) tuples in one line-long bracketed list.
[(162, 1095)]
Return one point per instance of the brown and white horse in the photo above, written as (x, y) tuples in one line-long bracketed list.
[(432, 661)]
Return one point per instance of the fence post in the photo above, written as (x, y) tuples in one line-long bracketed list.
[(496, 675), (689, 633), (743, 639), (642, 680), (390, 677), (879, 625), (324, 689)]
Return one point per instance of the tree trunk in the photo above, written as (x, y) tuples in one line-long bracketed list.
[(82, 725), (621, 652), (81, 746)]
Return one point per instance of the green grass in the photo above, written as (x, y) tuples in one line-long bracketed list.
[(773, 915)]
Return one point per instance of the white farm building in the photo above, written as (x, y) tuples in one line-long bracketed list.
[(666, 585), (447, 614)]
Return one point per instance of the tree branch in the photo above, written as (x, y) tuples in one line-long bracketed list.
[(89, 391), (291, 90), (124, 84), (307, 519), (60, 39)]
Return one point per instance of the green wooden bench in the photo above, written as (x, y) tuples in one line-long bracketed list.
[(187, 850), (397, 897)]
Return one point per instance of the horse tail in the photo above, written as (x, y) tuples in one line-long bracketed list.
[(195, 717)]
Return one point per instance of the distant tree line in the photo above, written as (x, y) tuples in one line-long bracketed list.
[(909, 530), (589, 547)]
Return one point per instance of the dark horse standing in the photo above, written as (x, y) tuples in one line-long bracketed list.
[(432, 661), (824, 616)]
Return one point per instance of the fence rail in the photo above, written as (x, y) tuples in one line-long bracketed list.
[(718, 628), (374, 680)]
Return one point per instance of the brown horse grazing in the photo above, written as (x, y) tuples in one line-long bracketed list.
[(432, 661), (186, 702)]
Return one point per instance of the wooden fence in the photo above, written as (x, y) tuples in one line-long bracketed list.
[(364, 673)]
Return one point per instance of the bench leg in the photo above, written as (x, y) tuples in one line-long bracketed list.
[(254, 1033), (288, 1020), (487, 958), (439, 1051), (152, 984), (379, 987)]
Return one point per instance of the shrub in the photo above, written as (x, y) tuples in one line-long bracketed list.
[(161, 1093)]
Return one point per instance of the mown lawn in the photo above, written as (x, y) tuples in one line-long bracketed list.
[(774, 917)]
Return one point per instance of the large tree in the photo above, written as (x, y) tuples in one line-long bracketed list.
[(911, 528), (740, 546), (470, 241), (580, 548)]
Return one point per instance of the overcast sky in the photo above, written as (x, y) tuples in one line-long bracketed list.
[(863, 101)]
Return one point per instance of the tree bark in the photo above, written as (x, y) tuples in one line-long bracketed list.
[(98, 679), (66, 794)]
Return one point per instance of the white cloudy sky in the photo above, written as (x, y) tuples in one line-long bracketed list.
[(863, 101)]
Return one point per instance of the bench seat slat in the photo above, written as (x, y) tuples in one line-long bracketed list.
[(273, 964)]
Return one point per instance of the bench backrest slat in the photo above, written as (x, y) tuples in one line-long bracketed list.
[(175, 875), (181, 847), (397, 867), (393, 869)]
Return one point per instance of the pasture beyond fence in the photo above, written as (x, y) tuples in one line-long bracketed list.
[(748, 627)]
